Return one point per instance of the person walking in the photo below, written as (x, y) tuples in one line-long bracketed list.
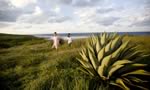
[(69, 39), (55, 39)]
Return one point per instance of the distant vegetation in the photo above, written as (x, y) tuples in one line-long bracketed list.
[(7, 40), (29, 63)]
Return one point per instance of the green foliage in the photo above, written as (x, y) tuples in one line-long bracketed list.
[(7, 41), (112, 62), (29, 63), (33, 65)]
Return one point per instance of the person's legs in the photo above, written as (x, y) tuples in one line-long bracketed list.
[(69, 44), (53, 46), (56, 46)]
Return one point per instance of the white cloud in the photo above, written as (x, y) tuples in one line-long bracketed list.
[(47, 16), (91, 15), (41, 17), (33, 18), (57, 9), (22, 3), (65, 27), (37, 11), (36, 17), (85, 15)]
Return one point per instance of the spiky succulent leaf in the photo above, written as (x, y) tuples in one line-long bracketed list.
[(98, 45), (116, 42), (101, 72), (121, 83), (114, 61), (137, 80), (101, 54), (93, 60), (108, 47), (103, 39), (121, 62), (128, 81), (137, 72), (113, 69)]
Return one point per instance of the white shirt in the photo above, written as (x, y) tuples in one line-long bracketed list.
[(69, 40), (55, 40)]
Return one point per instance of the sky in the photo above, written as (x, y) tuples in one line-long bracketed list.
[(73, 16)]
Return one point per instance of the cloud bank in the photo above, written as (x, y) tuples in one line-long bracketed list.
[(48, 16)]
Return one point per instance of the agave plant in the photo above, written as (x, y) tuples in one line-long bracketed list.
[(114, 62)]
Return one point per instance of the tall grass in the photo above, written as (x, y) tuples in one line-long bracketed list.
[(30, 63), (33, 65)]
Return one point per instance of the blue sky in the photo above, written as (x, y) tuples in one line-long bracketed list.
[(63, 16)]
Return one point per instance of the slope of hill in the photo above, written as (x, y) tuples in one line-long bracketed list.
[(30, 63)]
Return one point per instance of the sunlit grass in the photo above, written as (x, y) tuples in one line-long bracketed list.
[(30, 63)]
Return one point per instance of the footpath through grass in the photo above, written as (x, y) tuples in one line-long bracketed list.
[(29, 63)]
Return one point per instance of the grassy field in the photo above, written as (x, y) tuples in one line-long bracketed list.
[(29, 63)]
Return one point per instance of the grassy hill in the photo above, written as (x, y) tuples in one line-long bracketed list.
[(30, 63)]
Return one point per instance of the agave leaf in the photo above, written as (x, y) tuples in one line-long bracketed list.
[(130, 83), (84, 50), (84, 63), (98, 45), (91, 48), (116, 42), (120, 81), (88, 71), (138, 80), (139, 65), (84, 57), (85, 71), (140, 59), (101, 54), (100, 71), (116, 84), (126, 80), (113, 69), (104, 55), (127, 51), (130, 67), (108, 48), (132, 55), (106, 60), (116, 54), (114, 35), (137, 72), (125, 44), (90, 40), (93, 60), (142, 88), (94, 39), (121, 62), (103, 39)]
